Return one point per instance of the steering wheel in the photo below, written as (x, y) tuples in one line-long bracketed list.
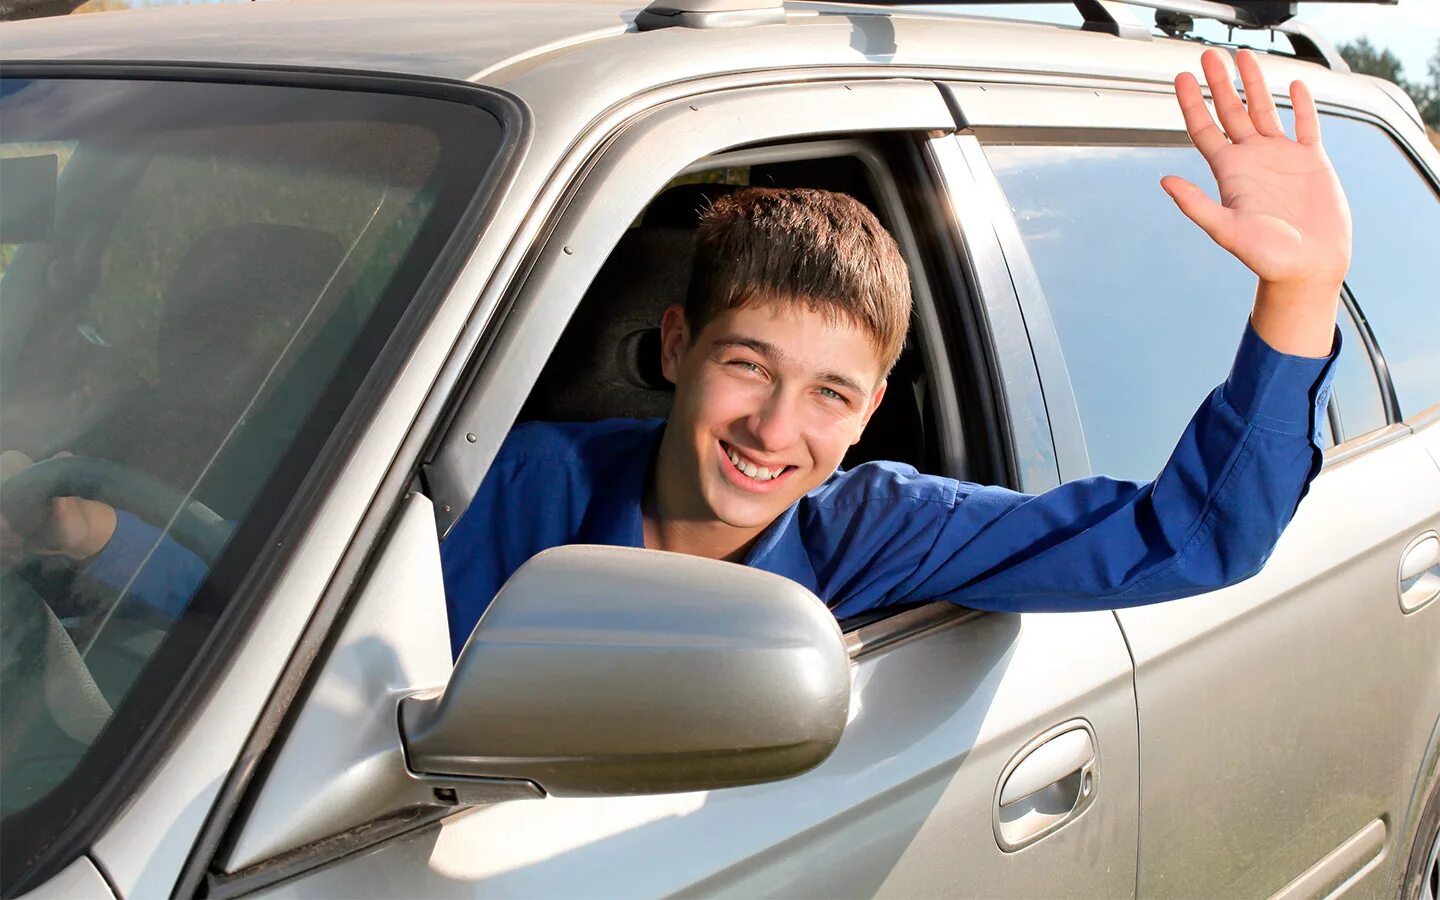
[(57, 697), (26, 497), (53, 708)]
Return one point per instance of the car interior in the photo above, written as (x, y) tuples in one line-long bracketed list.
[(606, 364)]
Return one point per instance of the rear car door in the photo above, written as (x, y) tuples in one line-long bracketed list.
[(946, 704), (1283, 720)]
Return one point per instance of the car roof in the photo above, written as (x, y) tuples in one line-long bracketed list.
[(441, 38), (569, 61), (497, 41)]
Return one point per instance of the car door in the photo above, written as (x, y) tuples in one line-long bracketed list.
[(1282, 720), (207, 308), (971, 739)]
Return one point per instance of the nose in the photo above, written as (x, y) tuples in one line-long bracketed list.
[(776, 424)]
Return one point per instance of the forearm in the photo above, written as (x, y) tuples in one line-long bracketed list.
[(141, 561)]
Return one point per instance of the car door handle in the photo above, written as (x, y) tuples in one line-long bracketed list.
[(1048, 783), (1420, 572)]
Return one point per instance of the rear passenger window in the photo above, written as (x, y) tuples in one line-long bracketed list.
[(1356, 389), (1148, 310), (1392, 275)]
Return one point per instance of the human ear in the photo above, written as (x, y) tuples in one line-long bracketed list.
[(674, 338), (870, 408)]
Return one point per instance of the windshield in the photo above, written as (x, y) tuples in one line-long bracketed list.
[(194, 279)]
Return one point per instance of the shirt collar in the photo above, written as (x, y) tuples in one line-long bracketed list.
[(619, 514)]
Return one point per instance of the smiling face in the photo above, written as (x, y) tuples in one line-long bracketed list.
[(768, 397)]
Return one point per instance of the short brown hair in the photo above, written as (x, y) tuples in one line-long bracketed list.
[(820, 248)]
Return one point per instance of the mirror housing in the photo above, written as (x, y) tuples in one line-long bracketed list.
[(611, 670)]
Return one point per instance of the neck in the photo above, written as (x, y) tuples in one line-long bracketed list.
[(679, 523)]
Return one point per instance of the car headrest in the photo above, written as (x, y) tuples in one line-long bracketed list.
[(607, 363)]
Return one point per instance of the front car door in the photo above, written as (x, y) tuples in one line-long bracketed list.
[(1282, 721), (208, 313), (944, 703)]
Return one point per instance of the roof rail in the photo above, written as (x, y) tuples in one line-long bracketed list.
[(1174, 17), (1177, 18)]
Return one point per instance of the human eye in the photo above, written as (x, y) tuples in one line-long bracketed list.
[(747, 366), (834, 396)]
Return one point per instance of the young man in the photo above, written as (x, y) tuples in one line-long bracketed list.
[(797, 309)]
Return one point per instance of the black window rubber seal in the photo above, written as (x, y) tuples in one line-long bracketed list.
[(327, 451)]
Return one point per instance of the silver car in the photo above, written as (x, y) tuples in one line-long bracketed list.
[(278, 278)]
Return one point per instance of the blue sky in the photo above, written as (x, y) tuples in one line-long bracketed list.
[(1410, 30)]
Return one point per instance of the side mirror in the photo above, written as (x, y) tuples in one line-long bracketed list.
[(607, 670)]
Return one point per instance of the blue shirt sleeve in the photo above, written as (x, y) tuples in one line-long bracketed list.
[(531, 498), (1209, 520), (147, 565)]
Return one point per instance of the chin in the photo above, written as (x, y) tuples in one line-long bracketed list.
[(749, 515)]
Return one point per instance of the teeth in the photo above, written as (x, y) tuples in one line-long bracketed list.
[(758, 473)]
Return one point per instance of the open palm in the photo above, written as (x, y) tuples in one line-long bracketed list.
[(1281, 212)]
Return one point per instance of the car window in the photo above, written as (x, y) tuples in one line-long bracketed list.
[(1392, 275), (1148, 310), (222, 259), (1355, 390)]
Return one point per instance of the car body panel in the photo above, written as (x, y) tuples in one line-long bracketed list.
[(78, 881), (1277, 706), (902, 808), (905, 805)]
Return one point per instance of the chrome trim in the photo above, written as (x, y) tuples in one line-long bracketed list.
[(906, 626), (1354, 447)]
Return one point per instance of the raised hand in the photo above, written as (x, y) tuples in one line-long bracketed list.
[(1281, 212)]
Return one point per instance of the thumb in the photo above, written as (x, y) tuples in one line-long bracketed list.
[(1214, 219)]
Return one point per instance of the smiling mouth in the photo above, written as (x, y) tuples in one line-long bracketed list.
[(752, 472)]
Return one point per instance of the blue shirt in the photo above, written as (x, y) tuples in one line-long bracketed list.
[(140, 563), (882, 533)]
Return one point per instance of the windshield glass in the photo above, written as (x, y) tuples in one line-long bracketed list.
[(194, 279)]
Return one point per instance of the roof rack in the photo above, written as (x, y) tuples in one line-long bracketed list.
[(1177, 19), (1174, 17)]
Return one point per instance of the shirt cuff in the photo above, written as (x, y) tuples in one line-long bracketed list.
[(117, 562), (1279, 391)]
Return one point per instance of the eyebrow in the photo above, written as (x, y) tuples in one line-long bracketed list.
[(769, 350)]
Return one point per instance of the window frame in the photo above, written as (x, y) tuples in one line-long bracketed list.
[(1389, 396), (515, 348), (323, 455), (1038, 115)]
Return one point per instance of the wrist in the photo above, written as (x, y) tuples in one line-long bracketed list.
[(1297, 317)]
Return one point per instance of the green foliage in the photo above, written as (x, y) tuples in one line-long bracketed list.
[(1367, 59)]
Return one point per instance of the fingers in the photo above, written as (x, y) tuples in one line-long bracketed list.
[(1214, 219), (1257, 96), (1203, 131), (1233, 117), (1307, 120)]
